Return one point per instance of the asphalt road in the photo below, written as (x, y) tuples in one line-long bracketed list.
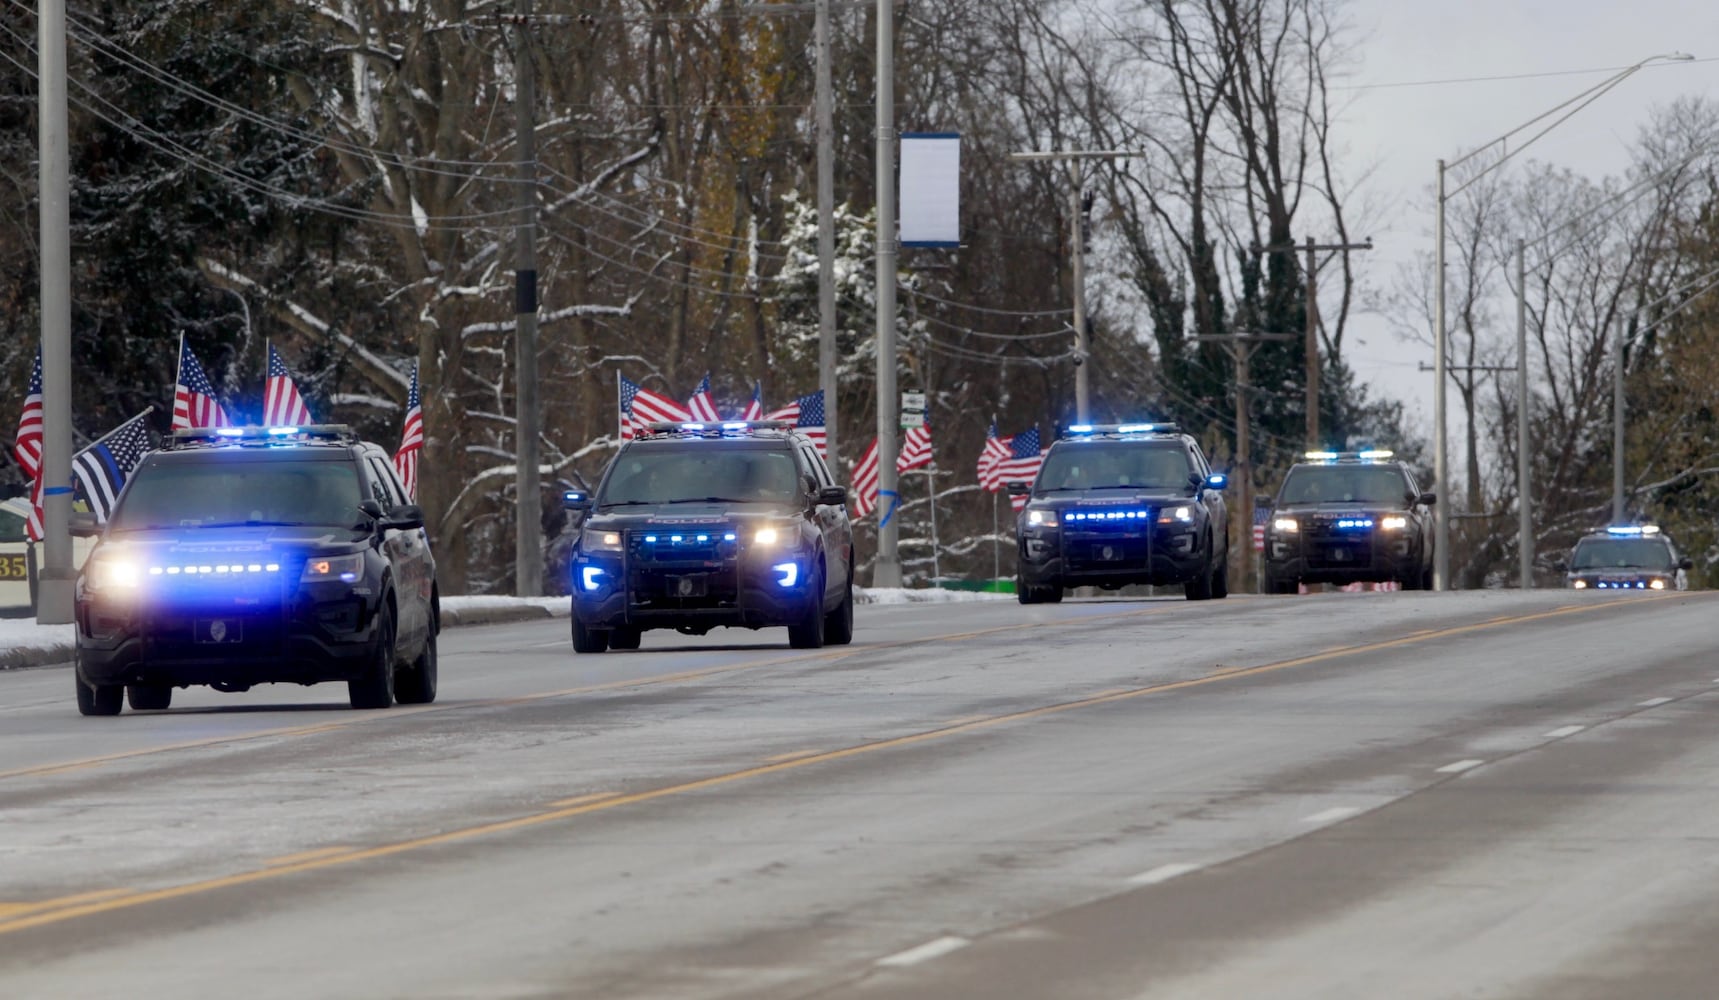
[(1370, 795)]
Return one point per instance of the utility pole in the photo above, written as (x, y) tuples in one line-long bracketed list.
[(1241, 347), (1079, 206), (1312, 276), (887, 571), (528, 538), (54, 586), (1618, 423), (1524, 501), (826, 237)]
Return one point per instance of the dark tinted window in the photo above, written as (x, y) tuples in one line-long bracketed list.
[(1621, 553), (191, 494), (1383, 484), (1116, 466), (697, 472)]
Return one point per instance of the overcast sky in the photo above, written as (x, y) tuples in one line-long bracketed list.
[(1400, 132)]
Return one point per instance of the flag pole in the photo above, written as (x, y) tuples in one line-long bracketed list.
[(146, 411), (931, 490), (621, 414), (178, 369), (996, 540)]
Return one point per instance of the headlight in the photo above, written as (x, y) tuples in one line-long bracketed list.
[(1286, 525), (1656, 584), (114, 574), (1183, 514), (1579, 584), (1394, 523), (593, 540), (1042, 518), (321, 569)]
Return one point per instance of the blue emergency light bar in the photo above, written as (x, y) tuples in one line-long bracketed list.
[(727, 428), (1632, 530), (1118, 430), (1370, 455), (259, 436)]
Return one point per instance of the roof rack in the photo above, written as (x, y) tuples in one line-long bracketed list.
[(1371, 455), (187, 437), (1120, 430), (713, 428)]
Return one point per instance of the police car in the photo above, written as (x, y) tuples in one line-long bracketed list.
[(1348, 517), (1627, 557), (696, 525), (1115, 504), (244, 556)]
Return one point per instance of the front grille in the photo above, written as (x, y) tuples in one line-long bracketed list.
[(1096, 540), (683, 569), (1339, 541)]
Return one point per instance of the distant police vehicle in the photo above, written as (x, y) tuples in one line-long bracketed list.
[(1115, 504), (698, 525), (244, 556), (1348, 517), (1627, 557)]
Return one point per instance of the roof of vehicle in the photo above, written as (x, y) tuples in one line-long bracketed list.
[(259, 437), (782, 431)]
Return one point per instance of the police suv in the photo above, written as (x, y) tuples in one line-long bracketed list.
[(1115, 504), (244, 556), (1349, 517), (1627, 557), (698, 525)]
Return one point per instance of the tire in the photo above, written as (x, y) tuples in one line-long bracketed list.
[(1279, 585), (1221, 580), (375, 687), (1427, 577), (108, 699), (808, 633), (416, 685), (588, 640), (1200, 587), (1050, 593), (839, 624), (625, 637), (149, 697)]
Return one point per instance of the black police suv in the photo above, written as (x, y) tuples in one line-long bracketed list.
[(698, 525), (244, 556), (1627, 557), (1115, 504), (1349, 517)]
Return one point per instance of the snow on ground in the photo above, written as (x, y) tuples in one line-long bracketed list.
[(898, 595), (558, 607)]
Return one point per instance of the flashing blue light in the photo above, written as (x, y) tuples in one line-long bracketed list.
[(1321, 456), (704, 538), (573, 495), (692, 427), (1632, 529), (790, 573), (230, 432), (1106, 515), (278, 431), (728, 537), (589, 577), (348, 577), (1136, 428), (674, 538), (650, 538), (735, 425), (1217, 480), (1080, 429), (1354, 523)]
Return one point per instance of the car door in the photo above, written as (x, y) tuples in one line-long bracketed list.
[(832, 520), (409, 553), (1217, 509)]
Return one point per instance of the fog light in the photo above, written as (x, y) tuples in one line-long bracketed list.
[(790, 573), (1657, 585), (1580, 585), (591, 577)]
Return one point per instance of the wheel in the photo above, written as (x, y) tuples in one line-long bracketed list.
[(1050, 593), (149, 697), (1279, 585), (1427, 577), (808, 633), (105, 700), (375, 687), (624, 637), (416, 685), (839, 624), (588, 640), (1221, 580), (1200, 587)]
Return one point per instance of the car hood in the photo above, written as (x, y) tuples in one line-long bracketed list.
[(688, 514), (214, 542), (1115, 498)]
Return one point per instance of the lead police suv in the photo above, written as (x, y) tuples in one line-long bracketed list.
[(243, 556), (1119, 504), (699, 525)]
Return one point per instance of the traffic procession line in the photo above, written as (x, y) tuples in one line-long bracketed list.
[(585, 805)]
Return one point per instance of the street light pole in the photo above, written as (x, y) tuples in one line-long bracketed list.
[(1524, 501), (1618, 422), (826, 238), (55, 581), (528, 511), (887, 571)]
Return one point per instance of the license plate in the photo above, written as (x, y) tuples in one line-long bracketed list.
[(1107, 553), (688, 586), (220, 630), (14, 567), (1341, 555)]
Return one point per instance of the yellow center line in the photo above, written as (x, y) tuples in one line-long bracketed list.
[(580, 799), (320, 852), (9, 910), (795, 755), (581, 808)]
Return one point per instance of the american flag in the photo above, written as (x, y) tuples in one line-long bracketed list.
[(701, 406), (194, 402), (28, 448), (755, 409), (282, 405), (102, 468), (807, 415), (641, 407), (865, 482), (411, 440), (1021, 464), (1261, 515), (915, 449), (996, 449)]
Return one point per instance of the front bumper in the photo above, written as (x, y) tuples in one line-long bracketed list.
[(1365, 557), (746, 589), (1111, 557)]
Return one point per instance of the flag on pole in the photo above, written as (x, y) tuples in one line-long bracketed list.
[(1022, 463), (701, 406), (865, 482), (640, 407), (102, 468), (282, 405), (755, 409), (27, 448), (194, 402), (915, 449), (990, 457), (807, 415), (411, 440)]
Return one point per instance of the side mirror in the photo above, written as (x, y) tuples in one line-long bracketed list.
[(83, 524), (575, 500), (833, 495), (1429, 498), (1018, 489), (370, 509), (1686, 563), (406, 517), (1217, 481)]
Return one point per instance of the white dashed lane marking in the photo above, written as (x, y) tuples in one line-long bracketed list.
[(1162, 873), (1652, 702), (1460, 766), (1563, 731), (925, 952), (1331, 815)]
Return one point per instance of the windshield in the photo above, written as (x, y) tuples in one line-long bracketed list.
[(1143, 466), (1381, 484), (664, 475), (191, 495), (1621, 553)]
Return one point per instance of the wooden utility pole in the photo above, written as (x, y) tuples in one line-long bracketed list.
[(1312, 276), (1241, 347)]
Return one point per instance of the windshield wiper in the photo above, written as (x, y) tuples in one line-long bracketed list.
[(722, 500), (248, 524)]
